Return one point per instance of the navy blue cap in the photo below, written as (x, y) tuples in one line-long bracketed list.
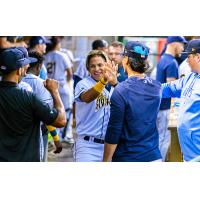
[(171, 39), (14, 58), (38, 40), (136, 49), (99, 44), (192, 47)]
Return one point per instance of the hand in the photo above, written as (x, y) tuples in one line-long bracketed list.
[(51, 85), (110, 73), (58, 145)]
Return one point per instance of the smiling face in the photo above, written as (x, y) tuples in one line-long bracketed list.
[(194, 62), (95, 66)]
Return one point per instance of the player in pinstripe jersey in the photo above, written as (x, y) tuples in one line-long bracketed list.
[(59, 67), (93, 107)]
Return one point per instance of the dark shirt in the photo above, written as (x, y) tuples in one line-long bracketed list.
[(20, 115), (167, 68), (132, 125)]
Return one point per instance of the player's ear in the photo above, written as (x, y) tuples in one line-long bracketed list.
[(19, 71), (125, 60), (198, 56)]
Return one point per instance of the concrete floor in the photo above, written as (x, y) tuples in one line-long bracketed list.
[(66, 154)]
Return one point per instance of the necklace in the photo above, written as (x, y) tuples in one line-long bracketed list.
[(137, 75)]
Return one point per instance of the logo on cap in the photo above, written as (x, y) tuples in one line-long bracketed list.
[(3, 67), (40, 41)]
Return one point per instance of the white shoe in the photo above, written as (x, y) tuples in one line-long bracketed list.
[(68, 140)]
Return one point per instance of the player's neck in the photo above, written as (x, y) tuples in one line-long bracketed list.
[(170, 51), (137, 74), (11, 78)]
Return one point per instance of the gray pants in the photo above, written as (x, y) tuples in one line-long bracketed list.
[(164, 133)]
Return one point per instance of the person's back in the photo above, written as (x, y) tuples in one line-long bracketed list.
[(132, 134), (19, 125), (56, 63), (21, 111), (139, 138)]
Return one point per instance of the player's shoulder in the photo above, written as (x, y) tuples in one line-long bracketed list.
[(86, 82), (25, 86)]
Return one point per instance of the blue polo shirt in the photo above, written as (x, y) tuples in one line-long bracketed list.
[(132, 125), (167, 68)]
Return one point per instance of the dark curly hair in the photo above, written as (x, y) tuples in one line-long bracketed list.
[(138, 64), (39, 56), (94, 53)]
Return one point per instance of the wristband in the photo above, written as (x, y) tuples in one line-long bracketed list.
[(53, 133), (103, 81), (50, 128), (99, 86), (56, 138)]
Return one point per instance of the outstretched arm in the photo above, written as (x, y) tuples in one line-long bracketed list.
[(109, 76)]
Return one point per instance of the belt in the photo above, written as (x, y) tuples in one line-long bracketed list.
[(96, 140)]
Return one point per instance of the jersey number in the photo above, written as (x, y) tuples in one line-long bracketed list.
[(50, 67)]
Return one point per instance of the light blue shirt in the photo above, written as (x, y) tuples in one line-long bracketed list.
[(43, 72), (37, 85), (92, 118), (188, 89)]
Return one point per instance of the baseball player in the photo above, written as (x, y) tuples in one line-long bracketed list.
[(38, 43), (27, 87), (81, 71), (132, 135), (59, 68), (93, 107), (22, 112), (32, 78)]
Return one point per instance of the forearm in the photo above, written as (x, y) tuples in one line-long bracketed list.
[(109, 150), (169, 90), (91, 94), (69, 74), (61, 119), (53, 132)]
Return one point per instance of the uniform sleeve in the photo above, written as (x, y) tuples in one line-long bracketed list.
[(79, 89), (25, 86), (172, 89), (172, 70), (42, 111), (116, 120), (44, 94)]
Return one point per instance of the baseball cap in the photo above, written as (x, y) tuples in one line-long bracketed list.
[(136, 49), (99, 44), (192, 47), (171, 39), (14, 58), (38, 40)]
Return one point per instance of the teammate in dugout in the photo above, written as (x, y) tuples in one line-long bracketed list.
[(22, 111), (93, 107), (188, 90), (132, 135)]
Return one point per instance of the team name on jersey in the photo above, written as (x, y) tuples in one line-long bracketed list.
[(101, 101)]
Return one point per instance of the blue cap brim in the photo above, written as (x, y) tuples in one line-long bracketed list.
[(28, 61), (47, 41)]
